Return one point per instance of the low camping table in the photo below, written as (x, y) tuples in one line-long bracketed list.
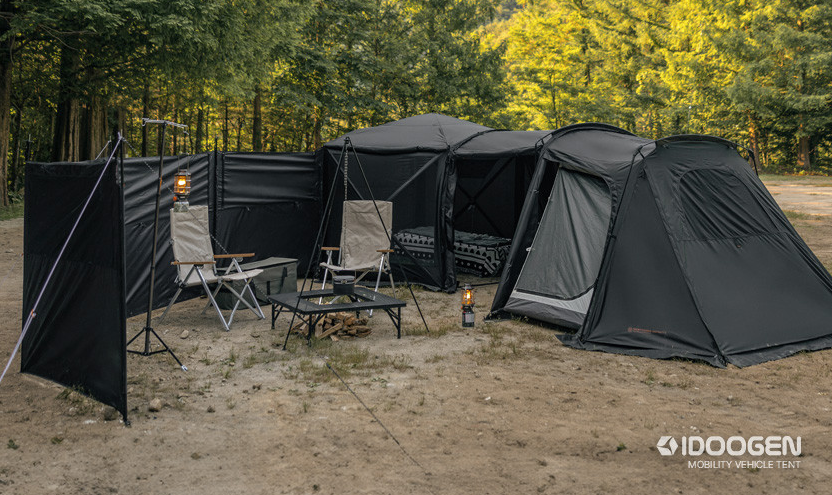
[(363, 299)]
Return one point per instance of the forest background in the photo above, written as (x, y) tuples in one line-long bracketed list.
[(288, 75)]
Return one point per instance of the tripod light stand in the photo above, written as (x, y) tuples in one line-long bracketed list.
[(148, 329)]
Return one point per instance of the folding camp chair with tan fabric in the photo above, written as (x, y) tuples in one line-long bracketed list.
[(196, 263), (365, 245)]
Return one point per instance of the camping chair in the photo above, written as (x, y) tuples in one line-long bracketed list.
[(365, 246), (196, 263)]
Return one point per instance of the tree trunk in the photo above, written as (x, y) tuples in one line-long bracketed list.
[(145, 112), (6, 48), (14, 169), (754, 136), (174, 136), (94, 132), (257, 124), (317, 138), (225, 129), (120, 124), (200, 116), (241, 121), (804, 152), (66, 137)]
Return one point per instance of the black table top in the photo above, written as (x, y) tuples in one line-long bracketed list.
[(367, 299)]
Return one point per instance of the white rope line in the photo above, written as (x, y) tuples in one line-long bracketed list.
[(32, 312), (103, 150)]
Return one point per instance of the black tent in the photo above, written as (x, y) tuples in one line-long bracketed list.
[(443, 175), (672, 248)]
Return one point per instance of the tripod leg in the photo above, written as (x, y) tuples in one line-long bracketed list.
[(167, 349)]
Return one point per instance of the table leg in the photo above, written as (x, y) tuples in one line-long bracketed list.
[(275, 314), (396, 318)]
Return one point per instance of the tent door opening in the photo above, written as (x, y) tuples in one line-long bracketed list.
[(556, 281)]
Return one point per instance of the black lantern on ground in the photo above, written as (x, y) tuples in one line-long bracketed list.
[(468, 306)]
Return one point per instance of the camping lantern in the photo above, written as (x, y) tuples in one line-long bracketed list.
[(181, 190), (468, 306)]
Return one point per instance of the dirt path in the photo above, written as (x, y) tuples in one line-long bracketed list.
[(502, 408), (813, 198)]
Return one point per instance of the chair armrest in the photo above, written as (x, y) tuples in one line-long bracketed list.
[(226, 256), (385, 250), (330, 249), (193, 262)]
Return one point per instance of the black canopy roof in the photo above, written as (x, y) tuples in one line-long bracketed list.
[(428, 132)]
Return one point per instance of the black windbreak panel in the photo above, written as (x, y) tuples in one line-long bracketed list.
[(268, 204), (77, 337), (141, 176)]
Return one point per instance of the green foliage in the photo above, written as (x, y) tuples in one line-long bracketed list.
[(753, 71), (758, 72)]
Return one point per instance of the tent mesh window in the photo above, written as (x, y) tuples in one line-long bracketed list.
[(718, 205)]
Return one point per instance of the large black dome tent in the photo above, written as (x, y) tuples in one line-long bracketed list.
[(668, 248)]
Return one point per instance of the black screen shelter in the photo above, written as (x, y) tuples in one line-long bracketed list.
[(443, 175), (669, 248)]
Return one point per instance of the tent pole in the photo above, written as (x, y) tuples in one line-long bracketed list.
[(319, 238), (347, 141)]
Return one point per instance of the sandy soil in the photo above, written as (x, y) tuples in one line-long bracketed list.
[(502, 408)]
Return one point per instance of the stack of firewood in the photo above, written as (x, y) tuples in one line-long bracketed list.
[(337, 326)]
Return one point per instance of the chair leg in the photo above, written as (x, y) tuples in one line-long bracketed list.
[(378, 280), (213, 296), (392, 284), (326, 272), (241, 300), (233, 311), (212, 301), (258, 312), (178, 291)]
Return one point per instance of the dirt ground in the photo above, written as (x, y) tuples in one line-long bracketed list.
[(501, 408)]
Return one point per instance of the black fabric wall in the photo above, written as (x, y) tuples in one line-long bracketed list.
[(490, 193), (259, 202), (267, 203), (77, 337), (141, 176)]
